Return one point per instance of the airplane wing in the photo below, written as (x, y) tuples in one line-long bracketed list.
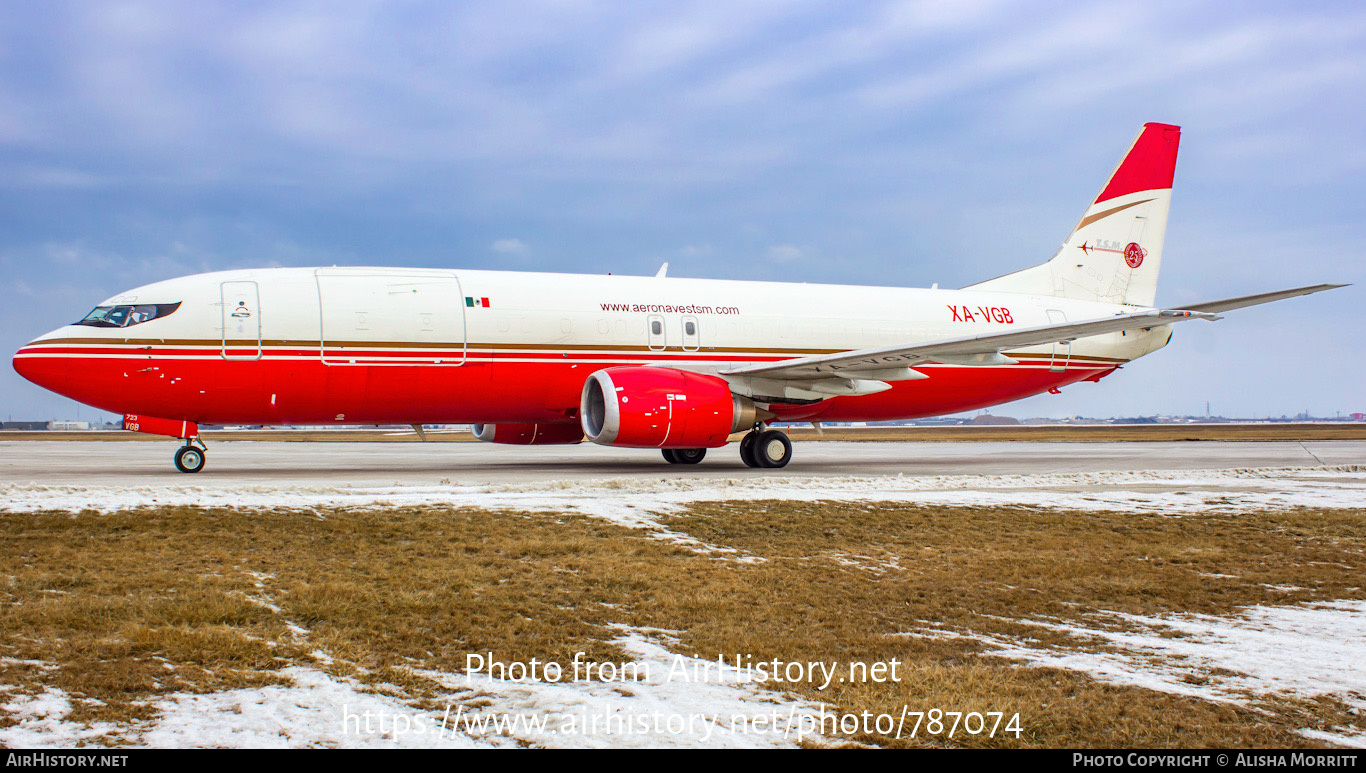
[(1229, 304), (985, 349)]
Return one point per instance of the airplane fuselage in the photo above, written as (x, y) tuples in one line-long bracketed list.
[(420, 346)]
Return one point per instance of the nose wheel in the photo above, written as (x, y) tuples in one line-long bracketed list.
[(767, 448), (190, 458)]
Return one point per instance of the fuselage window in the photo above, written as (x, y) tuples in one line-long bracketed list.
[(656, 328), (127, 316)]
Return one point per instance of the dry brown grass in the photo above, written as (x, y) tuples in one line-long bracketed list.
[(133, 605), (983, 569)]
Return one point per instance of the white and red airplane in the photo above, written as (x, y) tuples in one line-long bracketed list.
[(640, 362)]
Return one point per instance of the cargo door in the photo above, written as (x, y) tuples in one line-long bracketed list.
[(380, 317)]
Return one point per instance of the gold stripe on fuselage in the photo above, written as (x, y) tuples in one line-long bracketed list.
[(498, 347)]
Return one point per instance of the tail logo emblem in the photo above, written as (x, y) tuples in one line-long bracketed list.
[(1134, 254)]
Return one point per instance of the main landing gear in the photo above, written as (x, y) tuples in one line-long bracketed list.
[(190, 458), (684, 455), (765, 448)]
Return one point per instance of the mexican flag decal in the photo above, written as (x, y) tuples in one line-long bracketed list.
[(484, 302)]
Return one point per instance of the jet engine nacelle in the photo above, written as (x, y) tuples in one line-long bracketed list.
[(651, 407), (529, 434)]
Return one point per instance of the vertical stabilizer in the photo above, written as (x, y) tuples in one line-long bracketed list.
[(1114, 253)]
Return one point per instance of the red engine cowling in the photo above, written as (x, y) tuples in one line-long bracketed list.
[(650, 407), (529, 434)]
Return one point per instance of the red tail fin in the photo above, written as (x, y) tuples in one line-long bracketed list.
[(1149, 165), (1114, 253)]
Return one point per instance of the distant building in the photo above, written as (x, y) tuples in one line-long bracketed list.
[(24, 426), (988, 420), (68, 426), (1359, 417)]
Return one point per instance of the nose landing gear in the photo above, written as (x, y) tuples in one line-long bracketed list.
[(190, 458)]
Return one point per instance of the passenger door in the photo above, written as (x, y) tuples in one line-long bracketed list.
[(241, 304)]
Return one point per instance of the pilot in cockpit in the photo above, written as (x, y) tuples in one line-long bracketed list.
[(127, 315)]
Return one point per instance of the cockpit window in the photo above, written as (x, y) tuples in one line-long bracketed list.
[(127, 316)]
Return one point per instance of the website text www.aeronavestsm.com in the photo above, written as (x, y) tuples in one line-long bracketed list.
[(794, 723), (666, 308)]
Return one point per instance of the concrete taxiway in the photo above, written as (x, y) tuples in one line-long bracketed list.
[(253, 463)]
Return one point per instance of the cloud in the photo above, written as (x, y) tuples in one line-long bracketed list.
[(510, 247), (785, 253), (696, 250)]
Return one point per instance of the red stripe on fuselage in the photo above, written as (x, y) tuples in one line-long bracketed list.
[(293, 386), (606, 355)]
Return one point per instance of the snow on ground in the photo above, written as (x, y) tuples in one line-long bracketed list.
[(678, 701), (636, 502), (1303, 651), (307, 712), (669, 700), (42, 723)]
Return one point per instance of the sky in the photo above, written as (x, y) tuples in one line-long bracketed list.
[(897, 143)]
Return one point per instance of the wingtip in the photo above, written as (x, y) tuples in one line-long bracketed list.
[(1320, 288)]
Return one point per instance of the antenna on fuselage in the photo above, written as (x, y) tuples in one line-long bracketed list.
[(664, 269)]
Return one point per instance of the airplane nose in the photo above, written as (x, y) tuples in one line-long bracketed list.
[(47, 372)]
